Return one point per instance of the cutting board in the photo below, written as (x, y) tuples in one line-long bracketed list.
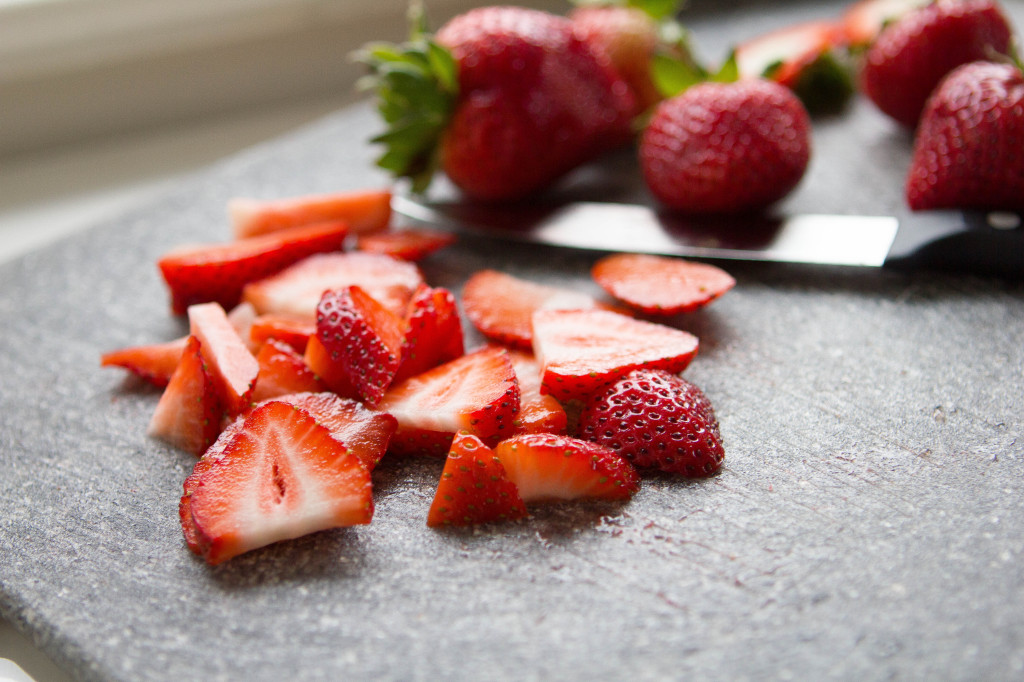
[(868, 522)]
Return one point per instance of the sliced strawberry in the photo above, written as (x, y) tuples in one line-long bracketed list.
[(297, 290), (154, 362), (408, 244), (538, 413), (476, 393), (208, 459), (363, 210), (581, 351), (500, 305), (292, 330), (233, 367), (283, 371), (280, 476), (547, 467), (332, 373), (473, 487), (659, 285), (410, 441), (433, 332), (218, 272), (188, 415), (361, 336)]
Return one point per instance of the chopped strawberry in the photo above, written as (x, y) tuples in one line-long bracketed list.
[(207, 460), (332, 373), (297, 289), (410, 441), (408, 244), (280, 475), (656, 419), (363, 211), (219, 272), (233, 367), (154, 362), (659, 285), (188, 415), (283, 371), (582, 351), (500, 305), (476, 393), (293, 330), (361, 336), (547, 467), (433, 332), (473, 487), (538, 413)]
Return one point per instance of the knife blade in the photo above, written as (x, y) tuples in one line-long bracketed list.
[(979, 243)]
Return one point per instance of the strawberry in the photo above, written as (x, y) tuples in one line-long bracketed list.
[(473, 487), (362, 210), (656, 419), (188, 415), (659, 285), (500, 305), (293, 330), (863, 20), (218, 272), (505, 100), (361, 336), (153, 362), (297, 290), (582, 351), (477, 392), (967, 146), (433, 332), (283, 371), (726, 147), (333, 374), (408, 244), (547, 467), (279, 475), (232, 366), (538, 413), (911, 55)]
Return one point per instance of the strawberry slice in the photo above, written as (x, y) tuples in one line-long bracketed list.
[(500, 305), (361, 336), (547, 467), (363, 210), (408, 244), (283, 371), (581, 351), (233, 367), (154, 363), (218, 272), (433, 332), (473, 487), (538, 413), (297, 289), (658, 285), (288, 329), (332, 373), (477, 392), (188, 415)]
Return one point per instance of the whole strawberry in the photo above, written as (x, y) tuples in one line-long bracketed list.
[(656, 419), (967, 150), (911, 55), (505, 101), (726, 147)]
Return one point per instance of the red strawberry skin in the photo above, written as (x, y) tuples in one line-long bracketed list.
[(910, 56), (967, 149), (726, 147), (656, 419)]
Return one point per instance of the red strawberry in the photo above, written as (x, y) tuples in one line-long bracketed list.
[(188, 415), (547, 467), (297, 289), (864, 20), (361, 336), (656, 419), (219, 272), (726, 147), (283, 371), (473, 487), (659, 285), (279, 475), (433, 332), (500, 306), (232, 366), (538, 413), (476, 393), (967, 151), (332, 373), (154, 362), (506, 99), (293, 330), (912, 55), (582, 351), (408, 244), (363, 211)]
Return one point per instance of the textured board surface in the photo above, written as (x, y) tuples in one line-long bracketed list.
[(868, 523)]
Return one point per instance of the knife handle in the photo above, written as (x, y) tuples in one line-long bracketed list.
[(979, 243)]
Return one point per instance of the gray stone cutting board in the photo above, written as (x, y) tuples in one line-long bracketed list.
[(868, 524)]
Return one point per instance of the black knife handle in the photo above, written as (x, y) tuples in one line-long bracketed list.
[(979, 243)]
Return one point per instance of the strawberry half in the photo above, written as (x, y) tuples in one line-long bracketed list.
[(547, 467), (659, 285), (283, 371), (219, 272), (363, 211), (473, 487), (232, 366), (188, 415), (408, 244), (279, 475), (433, 332), (582, 351)]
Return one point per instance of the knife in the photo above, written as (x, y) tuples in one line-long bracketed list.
[(968, 242)]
